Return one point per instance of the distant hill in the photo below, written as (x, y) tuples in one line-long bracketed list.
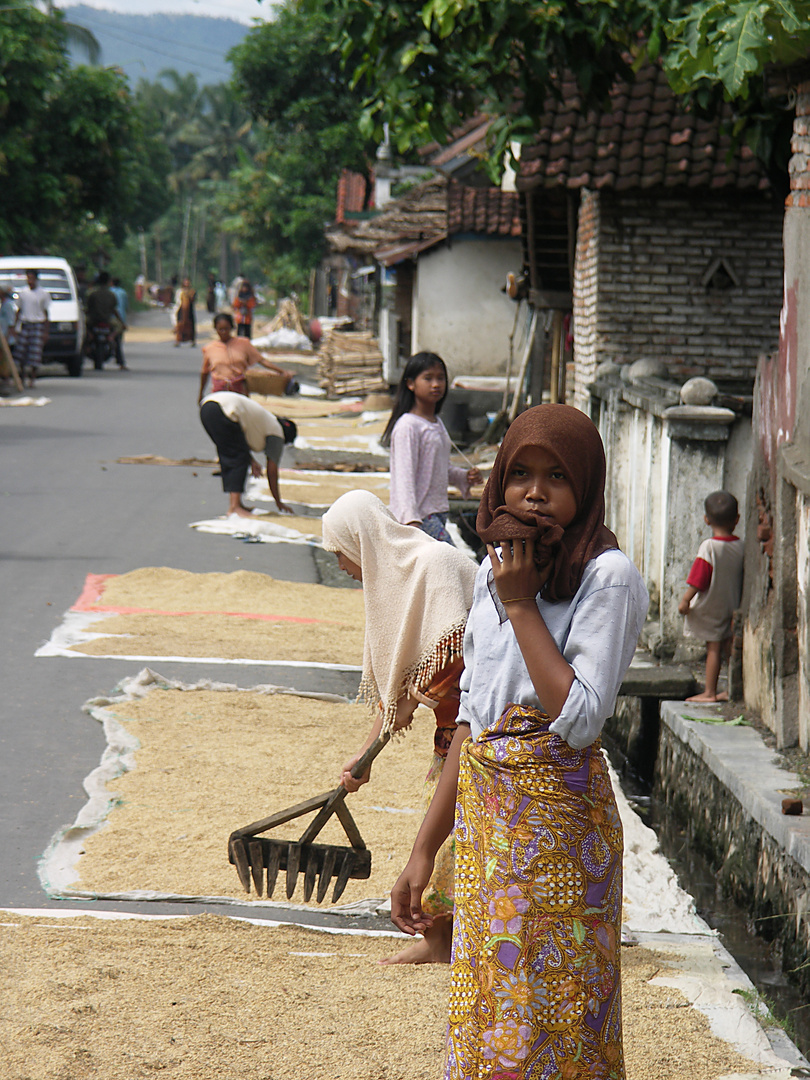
[(144, 45)]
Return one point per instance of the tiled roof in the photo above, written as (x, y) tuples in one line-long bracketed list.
[(427, 213), (488, 211), (419, 214), (644, 140)]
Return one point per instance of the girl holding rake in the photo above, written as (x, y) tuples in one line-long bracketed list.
[(417, 594)]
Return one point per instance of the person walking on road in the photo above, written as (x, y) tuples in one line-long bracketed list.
[(31, 328), (240, 427), (121, 310), (243, 304), (185, 328)]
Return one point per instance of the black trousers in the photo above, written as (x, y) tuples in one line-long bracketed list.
[(232, 448)]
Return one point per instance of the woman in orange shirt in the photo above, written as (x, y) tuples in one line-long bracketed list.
[(227, 358)]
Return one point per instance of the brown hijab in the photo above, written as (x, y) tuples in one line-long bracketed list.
[(574, 441)]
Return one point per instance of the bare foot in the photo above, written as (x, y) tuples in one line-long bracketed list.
[(241, 511), (708, 697), (433, 948), (722, 696)]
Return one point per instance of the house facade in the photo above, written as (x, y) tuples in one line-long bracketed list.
[(438, 259), (664, 243), (661, 239)]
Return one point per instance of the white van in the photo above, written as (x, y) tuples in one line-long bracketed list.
[(65, 314)]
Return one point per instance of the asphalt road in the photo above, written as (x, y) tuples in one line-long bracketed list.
[(68, 509)]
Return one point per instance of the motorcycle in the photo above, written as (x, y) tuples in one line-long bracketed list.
[(101, 344)]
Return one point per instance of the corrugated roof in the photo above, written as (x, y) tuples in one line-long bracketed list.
[(644, 140)]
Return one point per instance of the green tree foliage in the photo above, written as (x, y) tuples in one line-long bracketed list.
[(426, 65), (72, 145), (292, 82), (719, 50), (730, 43), (207, 133)]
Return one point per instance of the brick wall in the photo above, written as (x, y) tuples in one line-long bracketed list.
[(586, 276), (642, 293)]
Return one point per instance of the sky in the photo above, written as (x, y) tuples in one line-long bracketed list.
[(243, 11)]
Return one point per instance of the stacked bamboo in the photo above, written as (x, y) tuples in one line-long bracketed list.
[(350, 363), (288, 317)]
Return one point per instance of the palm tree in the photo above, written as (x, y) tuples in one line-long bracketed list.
[(77, 36)]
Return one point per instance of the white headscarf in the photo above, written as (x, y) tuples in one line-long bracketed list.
[(417, 593)]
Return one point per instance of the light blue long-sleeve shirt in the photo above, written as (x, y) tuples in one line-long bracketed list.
[(596, 631)]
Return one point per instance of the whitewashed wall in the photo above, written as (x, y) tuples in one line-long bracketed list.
[(803, 613), (663, 461), (459, 310)]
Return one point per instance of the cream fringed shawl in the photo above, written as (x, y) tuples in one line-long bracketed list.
[(417, 594)]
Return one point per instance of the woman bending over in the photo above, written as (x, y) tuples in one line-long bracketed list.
[(417, 594)]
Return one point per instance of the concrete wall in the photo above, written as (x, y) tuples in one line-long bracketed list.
[(644, 285), (663, 460), (459, 310)]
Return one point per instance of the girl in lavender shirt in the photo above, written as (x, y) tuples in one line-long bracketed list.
[(420, 449)]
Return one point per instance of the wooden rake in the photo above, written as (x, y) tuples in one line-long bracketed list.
[(252, 854)]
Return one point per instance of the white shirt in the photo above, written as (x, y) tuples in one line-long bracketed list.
[(33, 304), (421, 469), (254, 420), (596, 631)]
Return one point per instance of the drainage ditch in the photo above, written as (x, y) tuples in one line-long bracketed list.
[(745, 938)]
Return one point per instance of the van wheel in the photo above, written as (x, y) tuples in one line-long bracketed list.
[(74, 365)]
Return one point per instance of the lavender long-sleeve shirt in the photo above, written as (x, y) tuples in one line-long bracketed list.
[(421, 469)]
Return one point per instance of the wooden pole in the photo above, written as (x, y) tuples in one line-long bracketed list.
[(9, 363), (513, 411), (554, 389)]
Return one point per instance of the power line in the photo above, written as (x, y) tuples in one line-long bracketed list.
[(150, 37), (160, 52)]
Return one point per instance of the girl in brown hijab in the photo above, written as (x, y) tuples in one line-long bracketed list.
[(557, 610)]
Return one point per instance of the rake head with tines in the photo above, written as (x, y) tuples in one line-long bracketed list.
[(255, 856)]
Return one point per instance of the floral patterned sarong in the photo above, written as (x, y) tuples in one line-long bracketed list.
[(536, 992)]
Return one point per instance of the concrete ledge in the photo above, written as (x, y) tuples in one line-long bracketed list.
[(744, 764), (658, 681), (722, 783)]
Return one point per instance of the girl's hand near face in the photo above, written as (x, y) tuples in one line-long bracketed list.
[(518, 579), (515, 571)]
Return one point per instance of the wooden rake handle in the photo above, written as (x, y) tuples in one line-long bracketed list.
[(330, 802)]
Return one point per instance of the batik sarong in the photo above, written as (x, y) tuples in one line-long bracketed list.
[(29, 345), (536, 991)]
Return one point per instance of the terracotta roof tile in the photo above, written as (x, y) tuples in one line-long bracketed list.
[(427, 213), (644, 140)]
